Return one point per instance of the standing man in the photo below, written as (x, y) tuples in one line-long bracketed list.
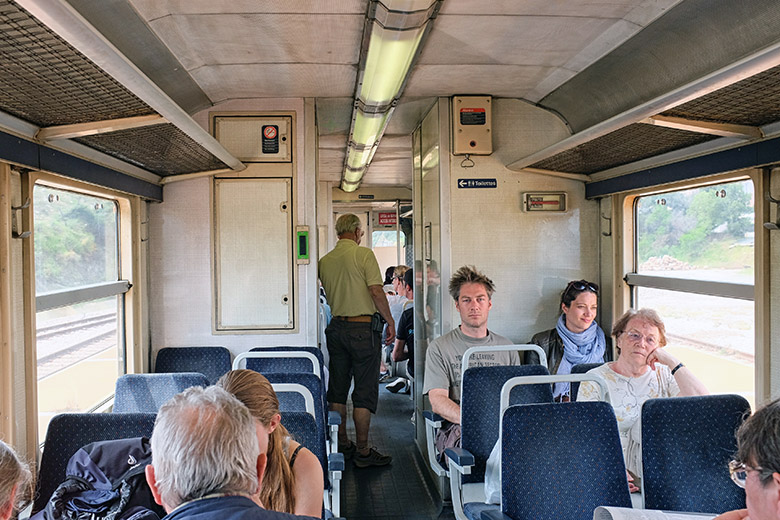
[(472, 292), (353, 283)]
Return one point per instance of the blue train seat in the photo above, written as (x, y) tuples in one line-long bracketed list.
[(581, 369), (213, 362), (560, 461), (687, 443), (70, 431), (139, 393)]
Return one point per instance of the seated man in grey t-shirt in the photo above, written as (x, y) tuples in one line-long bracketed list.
[(472, 292)]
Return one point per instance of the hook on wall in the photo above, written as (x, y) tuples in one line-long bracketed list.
[(467, 162), (608, 232), (14, 229), (773, 226)]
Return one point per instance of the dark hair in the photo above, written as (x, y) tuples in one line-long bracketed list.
[(389, 275), (469, 274), (758, 441), (575, 288), (409, 278)]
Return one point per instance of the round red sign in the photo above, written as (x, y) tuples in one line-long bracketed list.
[(269, 132)]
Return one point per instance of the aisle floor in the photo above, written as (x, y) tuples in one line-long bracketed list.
[(400, 490)]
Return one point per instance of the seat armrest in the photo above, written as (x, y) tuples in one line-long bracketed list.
[(336, 462), (494, 514), (334, 418), (433, 418), (462, 460)]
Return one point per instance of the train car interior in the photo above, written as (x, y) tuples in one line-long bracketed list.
[(171, 172)]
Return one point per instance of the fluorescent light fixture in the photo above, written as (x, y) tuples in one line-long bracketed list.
[(358, 158), (391, 42), (367, 129), (390, 56)]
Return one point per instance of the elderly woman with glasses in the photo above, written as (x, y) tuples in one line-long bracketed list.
[(576, 338), (643, 370)]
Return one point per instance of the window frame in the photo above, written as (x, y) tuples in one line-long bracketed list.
[(130, 329), (627, 280)]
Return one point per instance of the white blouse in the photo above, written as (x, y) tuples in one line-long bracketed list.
[(626, 396)]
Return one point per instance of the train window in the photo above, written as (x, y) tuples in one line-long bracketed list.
[(387, 249), (694, 259), (79, 304)]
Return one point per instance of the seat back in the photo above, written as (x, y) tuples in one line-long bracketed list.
[(213, 362), (687, 443), (481, 404), (299, 362), (303, 429), (314, 385), (69, 432), (270, 361), (561, 461), (581, 369), (145, 393)]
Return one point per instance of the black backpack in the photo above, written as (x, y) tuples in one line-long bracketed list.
[(105, 481)]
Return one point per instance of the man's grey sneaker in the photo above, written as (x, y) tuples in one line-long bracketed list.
[(397, 385), (348, 450), (373, 458), (384, 377)]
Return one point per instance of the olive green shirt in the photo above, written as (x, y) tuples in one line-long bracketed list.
[(346, 273)]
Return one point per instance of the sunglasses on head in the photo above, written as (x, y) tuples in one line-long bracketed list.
[(580, 285)]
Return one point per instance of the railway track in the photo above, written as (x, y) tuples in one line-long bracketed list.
[(65, 344), (710, 347)]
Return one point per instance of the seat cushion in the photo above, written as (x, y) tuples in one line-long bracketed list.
[(473, 510)]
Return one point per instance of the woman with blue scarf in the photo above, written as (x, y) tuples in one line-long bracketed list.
[(576, 338)]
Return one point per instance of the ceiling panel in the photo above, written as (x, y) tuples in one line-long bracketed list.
[(496, 80), (208, 40), (512, 40), (152, 9), (276, 80), (638, 11)]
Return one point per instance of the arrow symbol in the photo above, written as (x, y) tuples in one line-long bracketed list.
[(462, 183)]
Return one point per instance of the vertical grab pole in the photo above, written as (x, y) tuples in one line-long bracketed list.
[(398, 231)]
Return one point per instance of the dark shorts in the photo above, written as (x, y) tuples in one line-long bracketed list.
[(353, 353)]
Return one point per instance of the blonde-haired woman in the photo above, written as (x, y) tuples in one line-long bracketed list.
[(293, 480), (15, 482)]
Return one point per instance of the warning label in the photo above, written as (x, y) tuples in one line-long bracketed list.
[(270, 139), (386, 218), (472, 116)]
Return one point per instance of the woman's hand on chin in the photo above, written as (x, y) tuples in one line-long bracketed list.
[(660, 355)]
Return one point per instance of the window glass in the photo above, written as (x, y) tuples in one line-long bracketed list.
[(713, 336), (80, 347), (75, 240), (701, 234)]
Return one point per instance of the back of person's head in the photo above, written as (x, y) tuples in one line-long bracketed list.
[(400, 270), (389, 273), (15, 482), (575, 288), (409, 279), (347, 223), (758, 441), (257, 394), (469, 274), (204, 442)]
